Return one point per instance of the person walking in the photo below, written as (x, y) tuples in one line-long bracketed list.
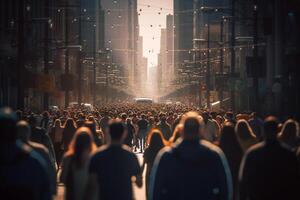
[(142, 131), (155, 143), (113, 167), (194, 169), (24, 132), (68, 133), (268, 169), (23, 172), (233, 152), (164, 127), (56, 135), (76, 163)]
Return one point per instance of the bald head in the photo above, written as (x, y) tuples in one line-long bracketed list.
[(23, 130), (192, 123)]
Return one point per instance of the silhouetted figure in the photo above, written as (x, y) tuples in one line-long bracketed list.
[(269, 171), (245, 135), (56, 135), (233, 152), (142, 131), (75, 164), (97, 136), (45, 120), (24, 132), (68, 132), (155, 143), (23, 172), (130, 133), (112, 168), (194, 169), (165, 128), (39, 135)]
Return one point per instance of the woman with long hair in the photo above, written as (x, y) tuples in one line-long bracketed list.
[(68, 132), (232, 150), (289, 134), (244, 134), (155, 143), (75, 164)]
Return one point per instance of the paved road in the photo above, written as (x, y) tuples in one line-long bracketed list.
[(139, 192)]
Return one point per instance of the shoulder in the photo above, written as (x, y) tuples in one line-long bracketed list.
[(254, 150), (39, 147), (210, 147), (165, 154)]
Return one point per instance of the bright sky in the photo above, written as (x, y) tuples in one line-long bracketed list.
[(151, 19)]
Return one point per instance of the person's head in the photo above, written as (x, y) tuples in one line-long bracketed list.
[(123, 117), (155, 139), (116, 131), (8, 128), (243, 130), (143, 116), (271, 128), (205, 116), (24, 131), (128, 120), (289, 133), (228, 136), (91, 125), (46, 114), (57, 123), (82, 145), (70, 124), (192, 124)]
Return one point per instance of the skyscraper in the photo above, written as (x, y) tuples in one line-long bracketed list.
[(121, 34), (183, 32)]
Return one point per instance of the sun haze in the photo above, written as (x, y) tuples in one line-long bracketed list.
[(152, 18)]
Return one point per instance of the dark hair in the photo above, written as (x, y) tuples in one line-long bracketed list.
[(81, 141), (155, 143), (228, 139), (70, 124), (116, 130), (271, 127)]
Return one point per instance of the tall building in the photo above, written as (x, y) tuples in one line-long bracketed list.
[(141, 70), (162, 61), (170, 48), (183, 32), (121, 34)]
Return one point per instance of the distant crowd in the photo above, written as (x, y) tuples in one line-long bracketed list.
[(188, 154)]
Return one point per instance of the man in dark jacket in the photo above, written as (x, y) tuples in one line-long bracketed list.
[(194, 169), (269, 170), (22, 171)]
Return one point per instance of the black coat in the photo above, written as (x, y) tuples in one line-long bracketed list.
[(191, 170), (269, 172)]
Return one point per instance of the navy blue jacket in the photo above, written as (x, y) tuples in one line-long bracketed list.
[(191, 170)]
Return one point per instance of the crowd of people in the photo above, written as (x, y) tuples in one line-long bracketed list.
[(188, 154)]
